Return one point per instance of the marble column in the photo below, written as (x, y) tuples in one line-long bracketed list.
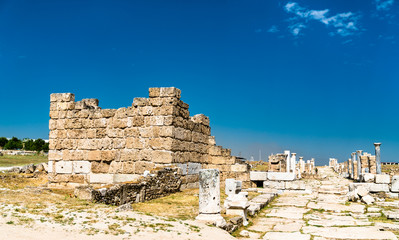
[(353, 155), (293, 162), (209, 196), (288, 162), (377, 157), (359, 164)]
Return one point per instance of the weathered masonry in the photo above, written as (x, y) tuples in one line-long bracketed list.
[(90, 145)]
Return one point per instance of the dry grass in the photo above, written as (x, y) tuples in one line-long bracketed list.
[(19, 181), (180, 205), (259, 166), (11, 160), (390, 169)]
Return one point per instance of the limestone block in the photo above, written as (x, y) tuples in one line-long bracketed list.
[(193, 168), (162, 156), (382, 178), (239, 167), (281, 176), (94, 155), (100, 167), (154, 92), (120, 178), (115, 167), (83, 192), (258, 176), (183, 167), (274, 184), (211, 140), (170, 92), (200, 118), (81, 167), (215, 150), (161, 143), (54, 155), (374, 187), (107, 113), (119, 123), (395, 183), (209, 191), (114, 132), (101, 178), (362, 191), (129, 155), (368, 177), (132, 132), (63, 167), (142, 166), (232, 186), (368, 199), (107, 155), (50, 166), (52, 124), (140, 102)]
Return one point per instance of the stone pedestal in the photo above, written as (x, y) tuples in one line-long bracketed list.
[(232, 186), (237, 204), (209, 197)]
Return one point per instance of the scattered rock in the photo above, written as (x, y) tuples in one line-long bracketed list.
[(244, 233), (125, 207), (368, 199)]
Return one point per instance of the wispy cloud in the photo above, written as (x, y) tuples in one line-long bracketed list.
[(384, 5), (273, 29), (344, 24)]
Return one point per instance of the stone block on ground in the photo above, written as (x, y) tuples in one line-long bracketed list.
[(368, 199), (368, 177), (280, 176), (362, 191), (382, 179), (374, 188), (257, 176), (395, 183)]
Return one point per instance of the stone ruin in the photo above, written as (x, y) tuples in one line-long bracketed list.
[(365, 170), (98, 147)]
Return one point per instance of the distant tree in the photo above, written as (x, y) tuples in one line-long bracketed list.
[(3, 141), (38, 144), (14, 143), (45, 147), (29, 145)]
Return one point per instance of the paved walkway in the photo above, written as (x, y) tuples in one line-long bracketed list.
[(322, 214)]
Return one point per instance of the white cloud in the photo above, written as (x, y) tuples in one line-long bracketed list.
[(384, 4), (273, 29), (296, 29), (344, 23)]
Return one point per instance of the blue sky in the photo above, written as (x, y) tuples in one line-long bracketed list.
[(317, 77)]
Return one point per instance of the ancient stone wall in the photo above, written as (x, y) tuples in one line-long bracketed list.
[(158, 184), (90, 145), (278, 162)]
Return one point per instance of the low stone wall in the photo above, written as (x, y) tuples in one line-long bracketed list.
[(154, 185)]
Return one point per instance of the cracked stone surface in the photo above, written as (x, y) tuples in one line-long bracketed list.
[(324, 213)]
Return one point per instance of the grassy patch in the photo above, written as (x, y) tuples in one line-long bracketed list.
[(181, 205), (17, 160), (18, 181)]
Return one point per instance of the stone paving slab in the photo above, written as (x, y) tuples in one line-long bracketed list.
[(286, 236), (287, 212), (349, 233), (288, 227), (337, 207)]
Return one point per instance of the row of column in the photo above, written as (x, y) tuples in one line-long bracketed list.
[(359, 164)]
